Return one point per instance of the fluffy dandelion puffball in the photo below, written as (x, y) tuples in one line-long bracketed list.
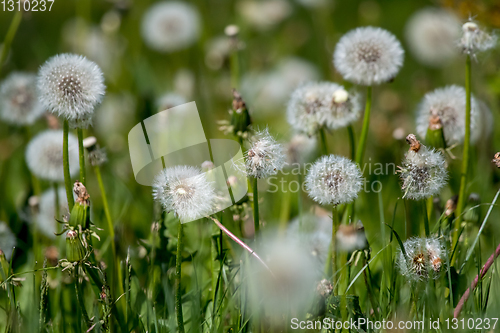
[(423, 173), (7, 240), (71, 86), (432, 34), (368, 56), (425, 258), (266, 157), (186, 191), (448, 104), (169, 26), (19, 103), (328, 104), (474, 39), (44, 155), (334, 180), (46, 218)]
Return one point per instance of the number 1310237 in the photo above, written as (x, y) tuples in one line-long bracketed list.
[(26, 5)]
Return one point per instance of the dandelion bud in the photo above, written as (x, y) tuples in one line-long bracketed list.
[(435, 135), (333, 180), (368, 56), (451, 205), (475, 40), (423, 172), (496, 159), (240, 117), (424, 259), (207, 165), (448, 104), (266, 157), (74, 246), (80, 214), (351, 237)]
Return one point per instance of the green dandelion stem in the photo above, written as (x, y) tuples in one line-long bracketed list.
[(81, 155), (178, 295), (322, 140), (67, 175), (360, 151), (256, 207)]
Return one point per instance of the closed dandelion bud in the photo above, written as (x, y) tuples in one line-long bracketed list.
[(74, 246), (266, 157), (474, 39), (424, 259), (423, 172), (334, 180), (80, 214), (351, 237), (435, 135), (240, 118), (451, 205), (496, 159), (472, 213)]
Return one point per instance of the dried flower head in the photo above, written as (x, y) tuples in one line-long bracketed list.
[(71, 86), (448, 104), (169, 26), (44, 155), (328, 104), (474, 39), (46, 218), (423, 172), (496, 159), (334, 180), (324, 288), (266, 157), (431, 34), (19, 103), (7, 240), (368, 56), (170, 100), (425, 258), (300, 148), (186, 191), (351, 237)]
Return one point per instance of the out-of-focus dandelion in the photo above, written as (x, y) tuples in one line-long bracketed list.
[(300, 148), (96, 155), (475, 40), (496, 159), (334, 180), (19, 104), (423, 172), (266, 157), (432, 34), (169, 26), (424, 259), (322, 104), (351, 237), (71, 86), (7, 240), (264, 15), (368, 56), (46, 218), (170, 100), (448, 104), (44, 155), (184, 190)]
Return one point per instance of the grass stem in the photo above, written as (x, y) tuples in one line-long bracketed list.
[(256, 207)]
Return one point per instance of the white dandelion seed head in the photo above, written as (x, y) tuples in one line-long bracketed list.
[(44, 155), (431, 34), (314, 105), (7, 240), (71, 86), (263, 15), (97, 156), (170, 100), (423, 173), (169, 26), (46, 218), (266, 157), (368, 56), (19, 103), (425, 259), (351, 237), (334, 180), (300, 148), (448, 104), (186, 191), (474, 39)]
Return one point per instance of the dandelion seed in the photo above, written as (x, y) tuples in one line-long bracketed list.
[(425, 258), (314, 105), (266, 157), (46, 218), (19, 102), (44, 155), (170, 26), (475, 40), (71, 86), (448, 104), (368, 56), (423, 172), (7, 240), (431, 34), (300, 148), (186, 191), (351, 237), (334, 180)]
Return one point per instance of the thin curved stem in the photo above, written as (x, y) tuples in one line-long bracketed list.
[(81, 155), (352, 142), (178, 295), (9, 37), (67, 175), (360, 151)]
